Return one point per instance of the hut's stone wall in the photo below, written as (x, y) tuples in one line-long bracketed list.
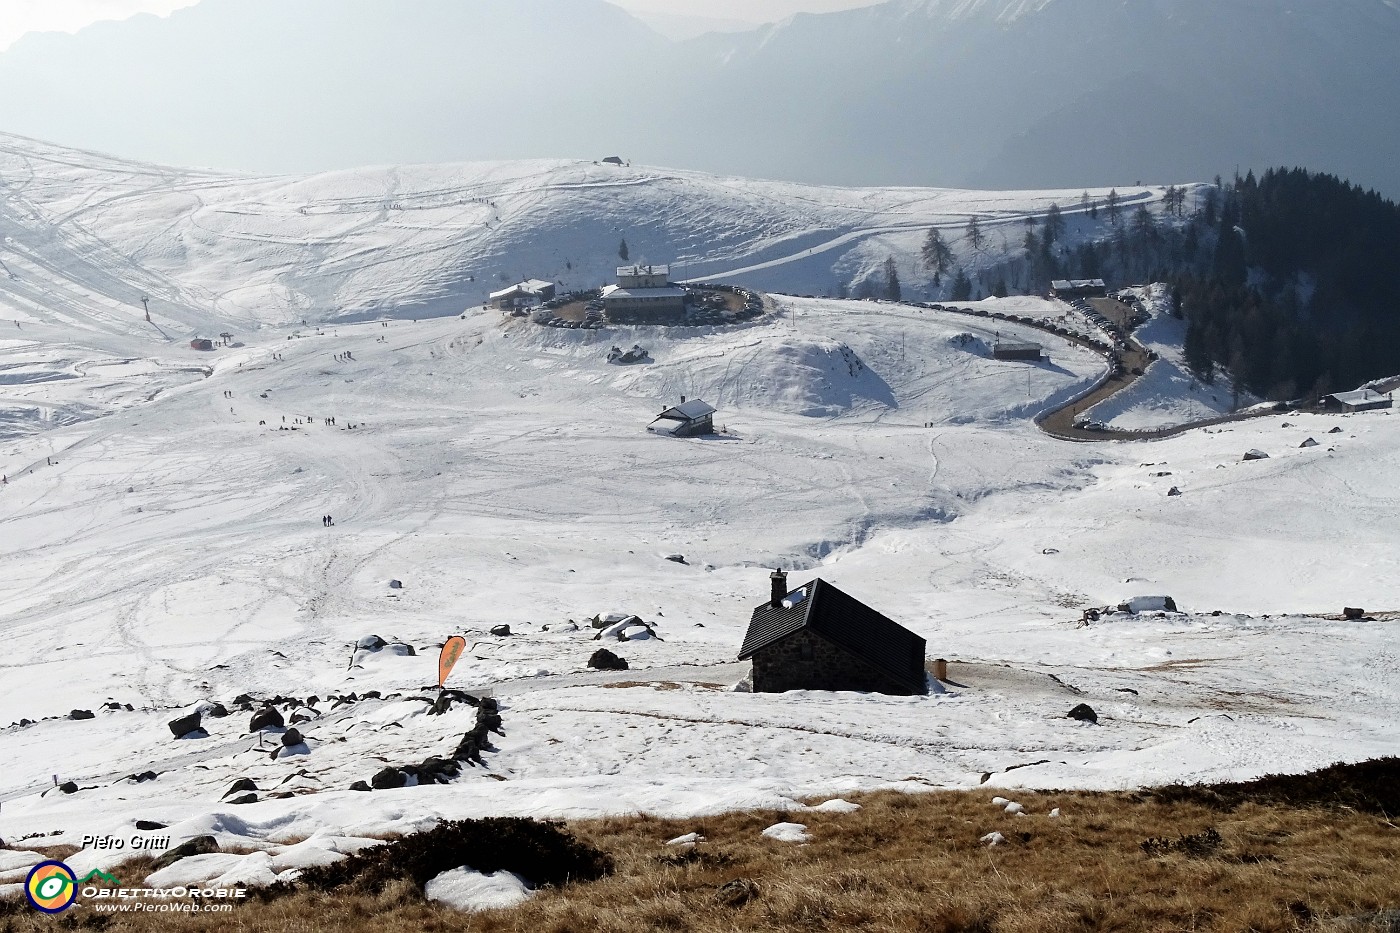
[(805, 661)]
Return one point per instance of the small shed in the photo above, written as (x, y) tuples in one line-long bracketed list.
[(817, 637), (522, 294), (1017, 351), (688, 419), (201, 343), (1360, 400), (1079, 288), (613, 160)]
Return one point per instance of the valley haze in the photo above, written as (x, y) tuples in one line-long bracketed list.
[(982, 93)]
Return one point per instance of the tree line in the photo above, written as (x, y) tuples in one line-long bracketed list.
[(1289, 281), (1299, 295)]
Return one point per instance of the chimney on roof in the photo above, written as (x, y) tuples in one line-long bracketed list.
[(779, 581), (682, 399)]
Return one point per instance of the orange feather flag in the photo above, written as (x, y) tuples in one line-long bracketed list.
[(451, 651)]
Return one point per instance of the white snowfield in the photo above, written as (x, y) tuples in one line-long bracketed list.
[(170, 550), (86, 236)]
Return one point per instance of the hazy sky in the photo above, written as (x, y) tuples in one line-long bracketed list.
[(20, 16)]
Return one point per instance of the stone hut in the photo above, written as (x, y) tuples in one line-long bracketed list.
[(694, 418), (1017, 351), (818, 638), (1360, 400)]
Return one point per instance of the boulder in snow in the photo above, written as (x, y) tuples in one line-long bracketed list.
[(1148, 604), (266, 718), (187, 725), (1310, 442), (387, 778), (605, 619), (200, 845), (1255, 455), (1084, 713), (242, 785), (605, 660), (500, 630)]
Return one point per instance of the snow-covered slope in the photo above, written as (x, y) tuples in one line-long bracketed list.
[(87, 236), (164, 543), (174, 555)]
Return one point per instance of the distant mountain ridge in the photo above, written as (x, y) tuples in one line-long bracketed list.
[(991, 93)]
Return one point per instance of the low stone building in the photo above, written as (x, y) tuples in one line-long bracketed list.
[(643, 292), (688, 419), (816, 637), (1078, 288), (525, 294), (1017, 351), (1360, 400)]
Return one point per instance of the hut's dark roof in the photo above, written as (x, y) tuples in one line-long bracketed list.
[(886, 645)]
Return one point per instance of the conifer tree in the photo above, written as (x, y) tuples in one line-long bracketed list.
[(892, 291), (962, 286), (1054, 226), (973, 234), (936, 254)]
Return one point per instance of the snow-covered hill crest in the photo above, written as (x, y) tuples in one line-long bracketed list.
[(87, 236)]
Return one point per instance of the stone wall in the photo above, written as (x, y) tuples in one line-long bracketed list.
[(806, 661)]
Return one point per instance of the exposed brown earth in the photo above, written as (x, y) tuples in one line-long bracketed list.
[(1312, 852)]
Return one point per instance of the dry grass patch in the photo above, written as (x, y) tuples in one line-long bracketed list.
[(913, 864)]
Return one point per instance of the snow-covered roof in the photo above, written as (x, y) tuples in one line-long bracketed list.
[(1359, 397), (664, 425), (668, 292), (643, 270), (1064, 285), (528, 287), (693, 410)]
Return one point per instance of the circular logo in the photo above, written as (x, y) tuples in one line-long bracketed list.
[(51, 887)]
